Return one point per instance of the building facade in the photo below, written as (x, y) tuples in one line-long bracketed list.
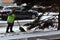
[(6, 2), (0, 1)]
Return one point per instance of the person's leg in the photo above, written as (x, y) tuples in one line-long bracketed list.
[(11, 28), (7, 29)]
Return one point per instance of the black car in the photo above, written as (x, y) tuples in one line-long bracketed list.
[(19, 13)]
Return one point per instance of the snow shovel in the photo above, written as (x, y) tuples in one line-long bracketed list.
[(20, 28)]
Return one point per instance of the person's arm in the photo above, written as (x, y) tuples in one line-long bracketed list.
[(9, 13)]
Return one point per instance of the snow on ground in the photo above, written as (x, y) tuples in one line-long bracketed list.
[(16, 29), (20, 35), (3, 29)]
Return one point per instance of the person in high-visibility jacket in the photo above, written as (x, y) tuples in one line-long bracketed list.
[(10, 21)]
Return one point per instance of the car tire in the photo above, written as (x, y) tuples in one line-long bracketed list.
[(33, 16)]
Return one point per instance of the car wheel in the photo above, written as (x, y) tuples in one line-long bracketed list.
[(33, 16)]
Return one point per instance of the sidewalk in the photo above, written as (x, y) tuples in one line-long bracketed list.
[(3, 29), (16, 29), (3, 25), (31, 35)]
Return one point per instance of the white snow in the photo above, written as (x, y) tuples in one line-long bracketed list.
[(16, 29)]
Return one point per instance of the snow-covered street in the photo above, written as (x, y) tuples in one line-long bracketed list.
[(37, 34), (19, 35), (3, 25)]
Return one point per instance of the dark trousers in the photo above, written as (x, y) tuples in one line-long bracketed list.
[(10, 26)]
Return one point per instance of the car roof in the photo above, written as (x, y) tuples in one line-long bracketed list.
[(9, 6)]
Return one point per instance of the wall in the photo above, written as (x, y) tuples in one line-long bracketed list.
[(7, 1)]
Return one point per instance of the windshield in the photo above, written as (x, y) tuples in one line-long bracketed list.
[(34, 9)]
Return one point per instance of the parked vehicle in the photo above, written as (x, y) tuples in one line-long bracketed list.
[(19, 13), (38, 9), (1, 7)]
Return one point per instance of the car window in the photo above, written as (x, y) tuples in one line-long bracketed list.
[(1, 7), (9, 8), (17, 8), (34, 9)]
